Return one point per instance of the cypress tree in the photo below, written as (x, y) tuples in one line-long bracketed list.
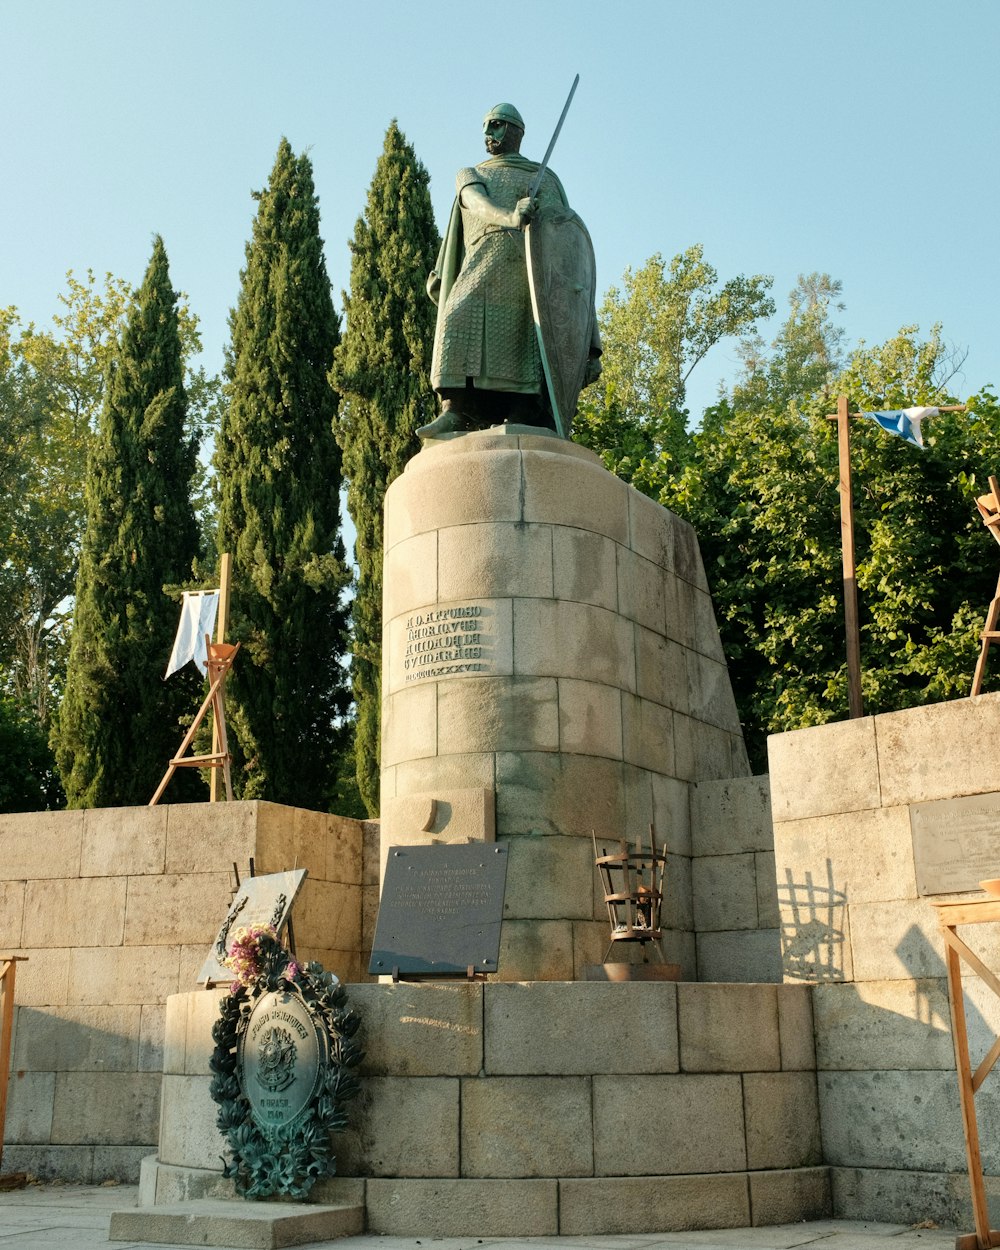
[(278, 469), (118, 724), (381, 372)]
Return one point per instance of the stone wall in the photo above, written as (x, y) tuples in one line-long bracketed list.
[(735, 901), (852, 922), (115, 909), (543, 1108)]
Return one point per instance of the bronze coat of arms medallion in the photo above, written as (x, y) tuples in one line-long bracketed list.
[(282, 1070), (283, 1052)]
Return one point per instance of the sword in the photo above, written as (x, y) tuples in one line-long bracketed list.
[(532, 192), (533, 189)]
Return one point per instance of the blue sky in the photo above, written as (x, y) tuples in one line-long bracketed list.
[(855, 137)]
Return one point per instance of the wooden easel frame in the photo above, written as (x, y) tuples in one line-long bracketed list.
[(8, 973), (950, 916), (989, 510), (220, 660)]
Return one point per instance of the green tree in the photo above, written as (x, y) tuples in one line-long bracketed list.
[(381, 371), (49, 405), (761, 490), (28, 778), (804, 358), (278, 469), (51, 390), (118, 723), (654, 334)]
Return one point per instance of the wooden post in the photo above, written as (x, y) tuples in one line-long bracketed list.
[(8, 969), (851, 628), (950, 917), (225, 576)]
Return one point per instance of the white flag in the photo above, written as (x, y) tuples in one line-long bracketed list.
[(198, 611)]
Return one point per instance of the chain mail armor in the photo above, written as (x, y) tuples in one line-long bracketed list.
[(485, 329)]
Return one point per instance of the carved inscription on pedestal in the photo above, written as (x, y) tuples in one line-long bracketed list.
[(442, 642), (955, 843)]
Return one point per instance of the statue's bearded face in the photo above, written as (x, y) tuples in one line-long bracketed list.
[(502, 137)]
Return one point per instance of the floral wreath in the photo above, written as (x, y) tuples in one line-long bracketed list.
[(291, 1158)]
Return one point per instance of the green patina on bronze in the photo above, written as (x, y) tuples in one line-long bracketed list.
[(487, 367), (288, 1157)]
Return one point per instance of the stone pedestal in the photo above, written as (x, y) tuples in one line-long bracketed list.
[(504, 1110), (549, 643)]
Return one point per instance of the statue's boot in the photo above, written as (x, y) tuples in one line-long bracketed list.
[(449, 422)]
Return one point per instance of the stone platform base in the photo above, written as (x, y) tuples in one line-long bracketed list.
[(254, 1225), (505, 1109), (907, 1197), (447, 1207)]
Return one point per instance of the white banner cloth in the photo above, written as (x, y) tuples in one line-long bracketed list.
[(198, 612)]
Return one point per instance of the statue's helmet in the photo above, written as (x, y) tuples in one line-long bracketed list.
[(504, 113)]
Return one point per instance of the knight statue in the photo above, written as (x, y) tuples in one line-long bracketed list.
[(516, 337)]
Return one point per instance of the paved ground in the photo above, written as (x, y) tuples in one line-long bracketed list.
[(55, 1217)]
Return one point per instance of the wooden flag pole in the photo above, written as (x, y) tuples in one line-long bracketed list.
[(225, 579), (852, 630)]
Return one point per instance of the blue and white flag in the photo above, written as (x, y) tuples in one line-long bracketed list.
[(904, 421)]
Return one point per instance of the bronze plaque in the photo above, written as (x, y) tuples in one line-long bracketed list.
[(440, 910), (956, 843), (282, 1057), (263, 900)]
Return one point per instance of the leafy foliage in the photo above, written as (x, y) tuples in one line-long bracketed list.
[(28, 780), (381, 371), (278, 470), (119, 722), (291, 1158), (51, 388), (762, 493), (805, 357), (759, 479), (654, 334)]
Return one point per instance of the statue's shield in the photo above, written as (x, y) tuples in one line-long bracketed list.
[(562, 276)]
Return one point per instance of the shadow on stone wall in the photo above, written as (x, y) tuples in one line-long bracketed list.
[(812, 928)]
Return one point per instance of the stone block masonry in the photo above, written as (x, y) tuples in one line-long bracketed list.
[(853, 926), (115, 909), (504, 1109), (733, 888), (549, 636)]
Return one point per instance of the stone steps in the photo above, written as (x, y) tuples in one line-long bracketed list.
[(242, 1225)]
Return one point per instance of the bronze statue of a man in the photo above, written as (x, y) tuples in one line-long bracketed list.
[(487, 366)]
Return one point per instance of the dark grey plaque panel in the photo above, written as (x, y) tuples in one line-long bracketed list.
[(440, 910), (956, 843)]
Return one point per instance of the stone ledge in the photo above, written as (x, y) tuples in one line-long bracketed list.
[(163, 1184), (652, 1204), (463, 1208), (906, 1197), (788, 1196), (254, 1225)]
